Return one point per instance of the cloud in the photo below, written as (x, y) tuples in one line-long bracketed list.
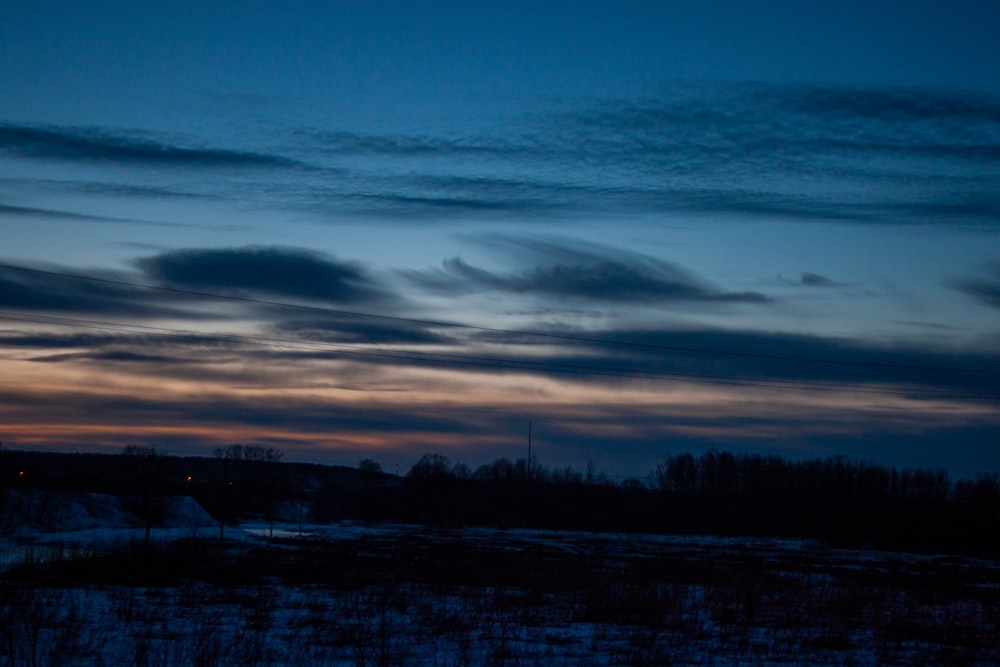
[(84, 292), (513, 200), (777, 126), (450, 195), (136, 191), (109, 188), (274, 271), (111, 356), (761, 149), (457, 204), (794, 152), (348, 143), (316, 418), (50, 340), (935, 326), (972, 209), (984, 288), (98, 145), (599, 281), (713, 356), (289, 401), (177, 347), (803, 153), (605, 356), (578, 271), (347, 329), (816, 280), (31, 212), (890, 104), (271, 272)]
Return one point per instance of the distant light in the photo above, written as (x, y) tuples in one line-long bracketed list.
[(20, 474), (189, 478)]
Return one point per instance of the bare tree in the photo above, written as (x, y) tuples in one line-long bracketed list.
[(145, 470), (249, 453)]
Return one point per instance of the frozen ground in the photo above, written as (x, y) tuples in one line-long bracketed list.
[(351, 594), (45, 525)]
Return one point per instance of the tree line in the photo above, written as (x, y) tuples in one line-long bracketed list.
[(836, 500)]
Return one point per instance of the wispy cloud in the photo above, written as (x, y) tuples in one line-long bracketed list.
[(408, 422), (798, 153), (810, 279), (816, 280), (802, 153), (135, 191), (51, 214), (289, 349), (704, 357), (800, 150), (355, 143), (109, 356), (778, 127), (101, 145), (46, 291), (985, 288), (564, 269), (891, 105), (338, 328)]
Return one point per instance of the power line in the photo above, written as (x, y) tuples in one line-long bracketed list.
[(476, 360), (497, 330)]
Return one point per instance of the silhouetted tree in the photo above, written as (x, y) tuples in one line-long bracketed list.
[(501, 469), (431, 467), (249, 453), (677, 474), (145, 471)]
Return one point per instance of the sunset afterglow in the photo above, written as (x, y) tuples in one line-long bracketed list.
[(377, 230)]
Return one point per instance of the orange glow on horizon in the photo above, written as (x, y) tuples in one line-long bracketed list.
[(77, 403)]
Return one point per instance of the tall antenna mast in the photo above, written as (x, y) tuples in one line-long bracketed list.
[(529, 449)]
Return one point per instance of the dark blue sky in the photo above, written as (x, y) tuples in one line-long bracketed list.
[(768, 226)]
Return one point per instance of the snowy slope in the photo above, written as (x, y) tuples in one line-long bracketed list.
[(37, 524), (26, 512)]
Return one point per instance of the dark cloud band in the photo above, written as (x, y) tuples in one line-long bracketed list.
[(272, 270)]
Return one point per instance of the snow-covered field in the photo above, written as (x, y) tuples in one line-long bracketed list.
[(84, 590)]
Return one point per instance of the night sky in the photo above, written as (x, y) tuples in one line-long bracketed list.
[(379, 229)]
